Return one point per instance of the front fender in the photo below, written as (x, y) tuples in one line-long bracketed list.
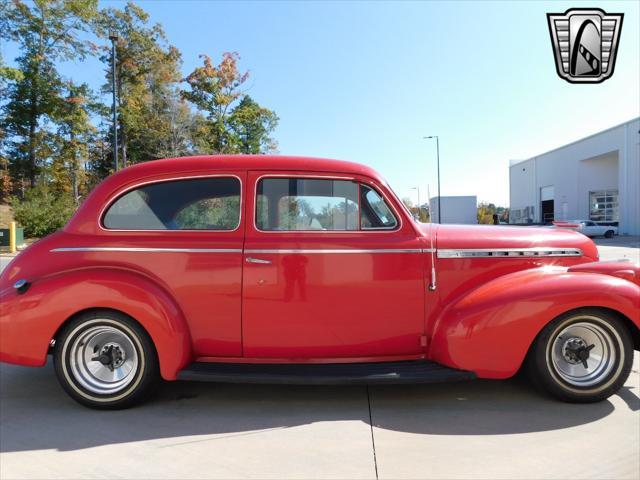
[(489, 330), (29, 321)]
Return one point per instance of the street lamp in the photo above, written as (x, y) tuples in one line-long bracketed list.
[(438, 162), (114, 39)]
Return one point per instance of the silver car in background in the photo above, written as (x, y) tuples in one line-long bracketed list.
[(588, 228)]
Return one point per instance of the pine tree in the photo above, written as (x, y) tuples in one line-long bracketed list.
[(46, 31)]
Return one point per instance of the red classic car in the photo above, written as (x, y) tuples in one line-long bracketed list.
[(300, 270)]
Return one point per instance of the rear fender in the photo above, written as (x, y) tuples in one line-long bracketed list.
[(490, 330), (29, 321)]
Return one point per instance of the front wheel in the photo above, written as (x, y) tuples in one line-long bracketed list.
[(583, 356), (104, 359)]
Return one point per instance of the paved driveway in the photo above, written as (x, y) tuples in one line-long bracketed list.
[(479, 429), (4, 261), (619, 247)]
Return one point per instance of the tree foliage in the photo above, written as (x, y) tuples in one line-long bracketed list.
[(56, 134), (147, 69), (42, 211), (232, 121), (46, 31), (488, 213)]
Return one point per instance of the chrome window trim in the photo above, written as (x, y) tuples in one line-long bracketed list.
[(397, 228), (386, 202), (533, 252), (146, 249), (114, 198)]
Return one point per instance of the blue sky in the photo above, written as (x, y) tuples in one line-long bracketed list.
[(365, 81)]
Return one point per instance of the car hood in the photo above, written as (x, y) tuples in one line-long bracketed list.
[(506, 237)]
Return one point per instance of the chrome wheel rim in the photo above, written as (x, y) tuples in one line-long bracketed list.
[(103, 359), (583, 354)]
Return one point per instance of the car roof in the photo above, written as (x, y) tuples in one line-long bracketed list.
[(84, 220), (243, 163)]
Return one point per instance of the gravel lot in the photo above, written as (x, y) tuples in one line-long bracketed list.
[(479, 429)]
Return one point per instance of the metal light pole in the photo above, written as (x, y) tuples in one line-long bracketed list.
[(114, 39), (438, 162)]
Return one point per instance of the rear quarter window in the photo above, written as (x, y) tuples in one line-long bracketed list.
[(190, 204)]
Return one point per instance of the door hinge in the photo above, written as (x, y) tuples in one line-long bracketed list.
[(423, 340)]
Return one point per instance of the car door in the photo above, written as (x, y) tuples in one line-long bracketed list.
[(592, 229), (324, 279)]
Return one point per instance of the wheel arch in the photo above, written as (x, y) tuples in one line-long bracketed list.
[(51, 302), (631, 327), (491, 329)]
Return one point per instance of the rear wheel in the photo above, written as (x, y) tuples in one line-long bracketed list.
[(608, 234), (582, 356), (104, 359)]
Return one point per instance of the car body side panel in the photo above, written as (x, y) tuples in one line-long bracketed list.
[(324, 294), (200, 269), (489, 329), (28, 322)]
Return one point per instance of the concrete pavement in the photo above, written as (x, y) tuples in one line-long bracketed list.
[(619, 247), (479, 429), (4, 261)]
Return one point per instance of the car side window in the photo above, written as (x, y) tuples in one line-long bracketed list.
[(295, 204), (375, 213), (190, 204)]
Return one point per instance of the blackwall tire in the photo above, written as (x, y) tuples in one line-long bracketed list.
[(105, 360), (555, 363)]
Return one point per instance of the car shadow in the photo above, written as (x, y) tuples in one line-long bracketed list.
[(36, 414)]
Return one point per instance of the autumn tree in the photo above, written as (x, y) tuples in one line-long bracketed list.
[(487, 212), (7, 74), (231, 121), (56, 134), (147, 71), (46, 31)]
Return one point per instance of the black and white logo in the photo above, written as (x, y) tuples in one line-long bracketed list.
[(585, 43)]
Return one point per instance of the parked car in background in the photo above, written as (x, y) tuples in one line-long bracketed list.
[(588, 228), (276, 269)]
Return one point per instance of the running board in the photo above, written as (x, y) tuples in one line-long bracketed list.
[(324, 374)]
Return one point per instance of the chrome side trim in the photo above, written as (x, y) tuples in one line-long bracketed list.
[(509, 252), (147, 249), (324, 250), (236, 250)]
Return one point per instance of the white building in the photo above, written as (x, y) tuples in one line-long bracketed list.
[(461, 209), (596, 178)]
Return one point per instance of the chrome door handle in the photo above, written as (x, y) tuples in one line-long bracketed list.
[(258, 260)]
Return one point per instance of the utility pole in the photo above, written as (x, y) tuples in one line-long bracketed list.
[(114, 39), (438, 162)]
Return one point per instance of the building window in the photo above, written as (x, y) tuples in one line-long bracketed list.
[(603, 206)]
